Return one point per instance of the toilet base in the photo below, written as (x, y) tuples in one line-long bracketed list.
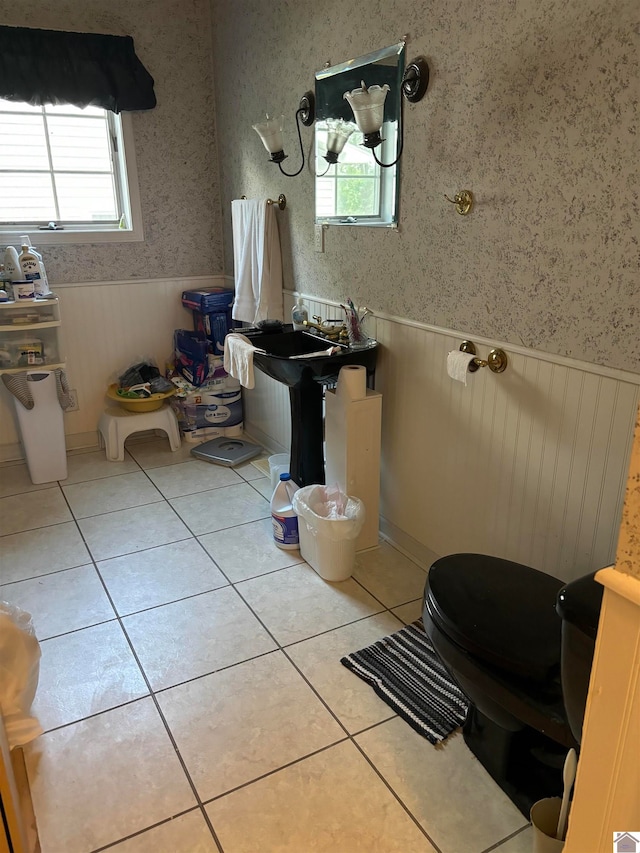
[(525, 764)]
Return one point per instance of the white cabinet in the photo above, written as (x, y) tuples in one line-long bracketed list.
[(29, 335)]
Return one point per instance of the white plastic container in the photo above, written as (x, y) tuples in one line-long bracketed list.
[(12, 264), (299, 315), (42, 429), (328, 544), (33, 270), (283, 517), (278, 464)]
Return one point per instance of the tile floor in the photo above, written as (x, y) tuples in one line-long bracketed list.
[(190, 690)]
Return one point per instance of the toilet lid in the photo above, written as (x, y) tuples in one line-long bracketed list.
[(499, 611)]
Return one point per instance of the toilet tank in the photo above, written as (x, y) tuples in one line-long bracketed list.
[(578, 604)]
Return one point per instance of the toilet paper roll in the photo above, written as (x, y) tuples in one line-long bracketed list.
[(352, 382), (458, 365)]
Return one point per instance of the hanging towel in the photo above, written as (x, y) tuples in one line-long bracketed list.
[(18, 385), (238, 358), (257, 261)]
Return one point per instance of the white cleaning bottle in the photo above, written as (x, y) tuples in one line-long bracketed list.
[(283, 517), (299, 315), (33, 270), (12, 264)]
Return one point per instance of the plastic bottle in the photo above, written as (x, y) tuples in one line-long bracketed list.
[(5, 284), (12, 264), (33, 269), (299, 315), (284, 519)]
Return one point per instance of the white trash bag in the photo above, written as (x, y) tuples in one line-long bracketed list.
[(19, 673), (329, 524)]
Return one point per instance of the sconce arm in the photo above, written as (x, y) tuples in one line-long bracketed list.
[(293, 174)]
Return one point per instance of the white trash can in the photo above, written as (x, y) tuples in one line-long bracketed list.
[(328, 524), (42, 429)]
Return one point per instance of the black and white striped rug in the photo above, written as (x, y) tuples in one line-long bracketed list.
[(406, 673)]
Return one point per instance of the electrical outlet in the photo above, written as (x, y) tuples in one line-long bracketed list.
[(75, 406), (319, 238)]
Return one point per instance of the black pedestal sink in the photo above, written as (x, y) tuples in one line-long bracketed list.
[(287, 359)]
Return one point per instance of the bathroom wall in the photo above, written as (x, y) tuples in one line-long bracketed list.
[(121, 301), (530, 464), (175, 143), (532, 106)]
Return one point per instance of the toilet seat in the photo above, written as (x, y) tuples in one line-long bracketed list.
[(501, 612)]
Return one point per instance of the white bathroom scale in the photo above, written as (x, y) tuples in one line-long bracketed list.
[(226, 451)]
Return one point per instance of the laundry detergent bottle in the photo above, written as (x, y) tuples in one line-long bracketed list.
[(283, 517), (33, 269)]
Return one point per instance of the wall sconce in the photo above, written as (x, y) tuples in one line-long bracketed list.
[(368, 105), (270, 132), (338, 133)]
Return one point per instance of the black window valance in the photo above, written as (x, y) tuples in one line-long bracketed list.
[(52, 67)]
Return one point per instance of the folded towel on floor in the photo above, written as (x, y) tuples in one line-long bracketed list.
[(238, 358)]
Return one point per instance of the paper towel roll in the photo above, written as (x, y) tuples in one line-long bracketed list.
[(458, 365), (352, 382)]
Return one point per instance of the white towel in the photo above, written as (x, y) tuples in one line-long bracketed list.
[(238, 358), (257, 261)]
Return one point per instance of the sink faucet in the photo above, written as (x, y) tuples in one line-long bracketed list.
[(332, 332)]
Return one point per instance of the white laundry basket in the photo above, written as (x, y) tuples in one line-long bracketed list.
[(42, 429)]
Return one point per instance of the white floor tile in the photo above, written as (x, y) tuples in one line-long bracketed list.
[(188, 833), (61, 602), (260, 716), (159, 575), (248, 550), (196, 636), (408, 613), (221, 508), (389, 575), (332, 802), (105, 778), (251, 471), (33, 509), (263, 485), (84, 673), (130, 530), (445, 788), (39, 552), (192, 477), (349, 697), (95, 465), (520, 843), (295, 603), (111, 493), (157, 452), (15, 480)]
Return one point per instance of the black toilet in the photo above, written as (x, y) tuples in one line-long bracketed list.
[(520, 645)]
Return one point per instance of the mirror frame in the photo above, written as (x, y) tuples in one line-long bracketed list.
[(330, 104)]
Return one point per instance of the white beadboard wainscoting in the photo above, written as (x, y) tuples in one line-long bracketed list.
[(529, 465), (106, 326)]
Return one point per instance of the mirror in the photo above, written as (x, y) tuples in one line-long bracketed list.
[(356, 190)]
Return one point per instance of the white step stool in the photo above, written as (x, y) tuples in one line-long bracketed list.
[(116, 425)]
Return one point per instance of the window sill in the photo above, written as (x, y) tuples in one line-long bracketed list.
[(71, 235)]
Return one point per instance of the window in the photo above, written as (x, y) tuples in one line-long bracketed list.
[(70, 168), (356, 190)]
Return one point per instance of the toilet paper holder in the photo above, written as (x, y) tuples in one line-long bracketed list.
[(496, 360)]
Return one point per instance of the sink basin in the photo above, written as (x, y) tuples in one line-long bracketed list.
[(287, 359)]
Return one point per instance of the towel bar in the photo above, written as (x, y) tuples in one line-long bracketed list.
[(281, 201)]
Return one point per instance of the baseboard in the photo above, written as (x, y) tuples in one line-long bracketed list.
[(253, 433), (407, 545)]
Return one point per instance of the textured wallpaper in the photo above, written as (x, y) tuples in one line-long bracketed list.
[(532, 106), (175, 143)]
